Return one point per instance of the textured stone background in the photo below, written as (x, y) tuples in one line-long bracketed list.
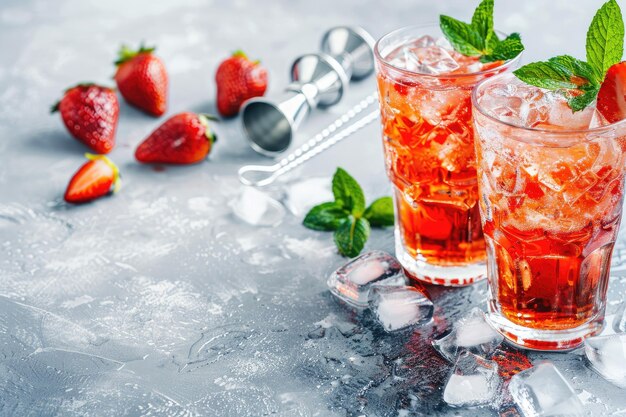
[(158, 300)]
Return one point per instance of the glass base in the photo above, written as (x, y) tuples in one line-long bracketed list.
[(449, 276), (544, 340)]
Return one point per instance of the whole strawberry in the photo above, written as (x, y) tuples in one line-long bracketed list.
[(185, 138), (142, 79), (96, 178), (90, 113), (238, 79)]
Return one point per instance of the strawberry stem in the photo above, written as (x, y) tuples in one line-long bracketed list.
[(239, 53), (125, 53), (55, 107), (210, 117), (204, 119)]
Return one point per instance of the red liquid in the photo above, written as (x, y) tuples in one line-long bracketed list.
[(551, 216), (550, 281), (430, 158)]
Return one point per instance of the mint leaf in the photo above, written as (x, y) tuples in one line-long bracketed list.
[(515, 35), (545, 75), (351, 236), (563, 72), (325, 216), (348, 193), (347, 215), (482, 20), (463, 37), (504, 50), (605, 47), (576, 67), (605, 39), (380, 212), (589, 94), (478, 38)]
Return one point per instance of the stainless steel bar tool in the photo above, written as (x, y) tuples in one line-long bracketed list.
[(262, 175), (317, 80)]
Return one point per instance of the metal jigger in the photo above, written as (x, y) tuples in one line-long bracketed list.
[(317, 80)]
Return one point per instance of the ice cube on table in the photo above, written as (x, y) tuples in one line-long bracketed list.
[(257, 208), (471, 333), (607, 356), (398, 307), (353, 281), (474, 381), (619, 320), (301, 196), (542, 391)]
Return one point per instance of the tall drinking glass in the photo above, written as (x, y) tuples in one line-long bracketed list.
[(425, 99), (551, 190)]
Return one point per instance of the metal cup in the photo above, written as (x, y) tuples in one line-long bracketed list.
[(318, 80)]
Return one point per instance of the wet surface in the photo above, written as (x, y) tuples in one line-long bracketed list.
[(161, 300)]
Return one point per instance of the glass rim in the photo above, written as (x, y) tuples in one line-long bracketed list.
[(553, 132), (383, 61)]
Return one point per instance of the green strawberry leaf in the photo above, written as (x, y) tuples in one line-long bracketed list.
[(380, 212), (351, 236), (462, 36), (126, 53), (504, 50), (348, 193), (605, 39), (325, 216)]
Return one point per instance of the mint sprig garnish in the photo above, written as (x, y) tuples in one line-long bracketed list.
[(578, 80), (605, 38), (478, 38), (348, 215)]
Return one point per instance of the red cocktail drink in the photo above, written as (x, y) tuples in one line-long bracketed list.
[(425, 89), (551, 186)]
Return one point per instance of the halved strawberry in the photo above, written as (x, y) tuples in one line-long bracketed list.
[(612, 95), (96, 178)]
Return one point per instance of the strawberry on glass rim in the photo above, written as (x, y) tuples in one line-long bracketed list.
[(599, 80), (612, 94)]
